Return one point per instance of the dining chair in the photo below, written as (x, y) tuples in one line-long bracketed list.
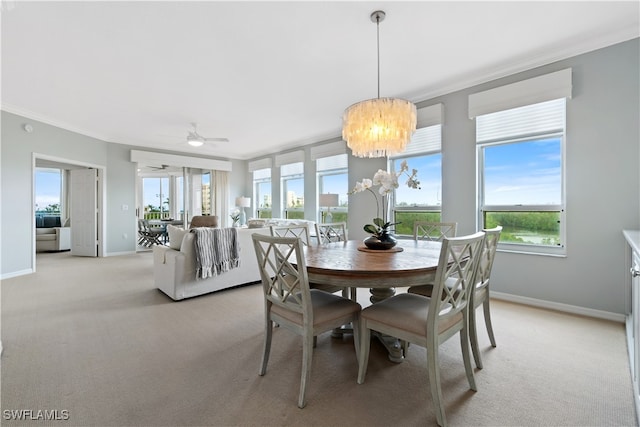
[(331, 232), (301, 231), (429, 322), (435, 231), (290, 302), (480, 295), (328, 233)]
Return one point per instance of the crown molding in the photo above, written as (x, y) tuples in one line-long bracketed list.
[(52, 122), (543, 58)]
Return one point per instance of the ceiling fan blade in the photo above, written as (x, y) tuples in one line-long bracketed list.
[(217, 139)]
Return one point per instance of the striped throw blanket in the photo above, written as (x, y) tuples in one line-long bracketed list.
[(216, 250)]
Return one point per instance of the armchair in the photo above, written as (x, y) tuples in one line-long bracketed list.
[(53, 239)]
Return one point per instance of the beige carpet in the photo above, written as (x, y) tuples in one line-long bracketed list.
[(94, 337)]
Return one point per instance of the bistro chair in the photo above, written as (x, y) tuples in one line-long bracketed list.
[(435, 231), (429, 322), (480, 295), (147, 236), (290, 302)]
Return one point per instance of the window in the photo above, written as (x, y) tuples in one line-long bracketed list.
[(48, 197), (262, 192), (206, 193), (521, 175), (333, 178), (292, 176), (179, 202), (424, 204), (155, 195)]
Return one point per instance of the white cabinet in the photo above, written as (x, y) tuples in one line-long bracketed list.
[(632, 274)]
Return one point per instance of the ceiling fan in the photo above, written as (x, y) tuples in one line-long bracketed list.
[(196, 140), (158, 168)]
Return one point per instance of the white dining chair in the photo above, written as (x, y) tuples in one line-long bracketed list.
[(480, 295), (331, 232), (290, 302), (434, 231), (301, 231), (429, 322)]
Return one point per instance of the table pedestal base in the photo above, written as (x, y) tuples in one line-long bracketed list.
[(392, 345)]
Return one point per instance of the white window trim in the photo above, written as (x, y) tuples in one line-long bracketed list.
[(530, 249)]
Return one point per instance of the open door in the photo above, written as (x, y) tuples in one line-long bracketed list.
[(84, 212)]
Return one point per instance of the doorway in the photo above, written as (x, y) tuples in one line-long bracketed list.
[(67, 200)]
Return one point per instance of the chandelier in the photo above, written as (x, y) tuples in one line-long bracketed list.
[(379, 127)]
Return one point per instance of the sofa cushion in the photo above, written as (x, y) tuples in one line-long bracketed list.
[(176, 234), (45, 231), (45, 237)]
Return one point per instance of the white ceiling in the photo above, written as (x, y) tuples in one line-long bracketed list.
[(270, 75)]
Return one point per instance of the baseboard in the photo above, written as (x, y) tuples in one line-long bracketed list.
[(16, 274), (573, 309), (120, 253)]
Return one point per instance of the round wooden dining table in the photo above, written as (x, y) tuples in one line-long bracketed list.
[(351, 264)]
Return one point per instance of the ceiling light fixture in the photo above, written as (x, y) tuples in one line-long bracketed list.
[(379, 127), (194, 141)]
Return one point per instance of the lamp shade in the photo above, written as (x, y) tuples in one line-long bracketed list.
[(379, 127), (243, 202), (328, 200)]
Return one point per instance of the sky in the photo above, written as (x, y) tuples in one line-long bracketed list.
[(526, 173), (48, 185)]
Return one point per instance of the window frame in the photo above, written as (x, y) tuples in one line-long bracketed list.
[(394, 165), (283, 191), (526, 248), (320, 174), (257, 193)]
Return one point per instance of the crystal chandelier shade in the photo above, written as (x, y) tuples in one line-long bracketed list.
[(379, 127)]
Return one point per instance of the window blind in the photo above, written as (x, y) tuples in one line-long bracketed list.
[(332, 163), (262, 174), (292, 169), (533, 119), (424, 140)]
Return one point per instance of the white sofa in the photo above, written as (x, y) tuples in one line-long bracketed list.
[(53, 239), (174, 271)]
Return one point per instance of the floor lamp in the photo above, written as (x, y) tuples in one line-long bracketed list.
[(243, 202), (328, 201)]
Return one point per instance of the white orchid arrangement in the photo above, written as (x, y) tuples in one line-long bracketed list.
[(388, 181)]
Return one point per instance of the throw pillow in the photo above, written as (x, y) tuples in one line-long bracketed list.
[(255, 223), (176, 234)]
